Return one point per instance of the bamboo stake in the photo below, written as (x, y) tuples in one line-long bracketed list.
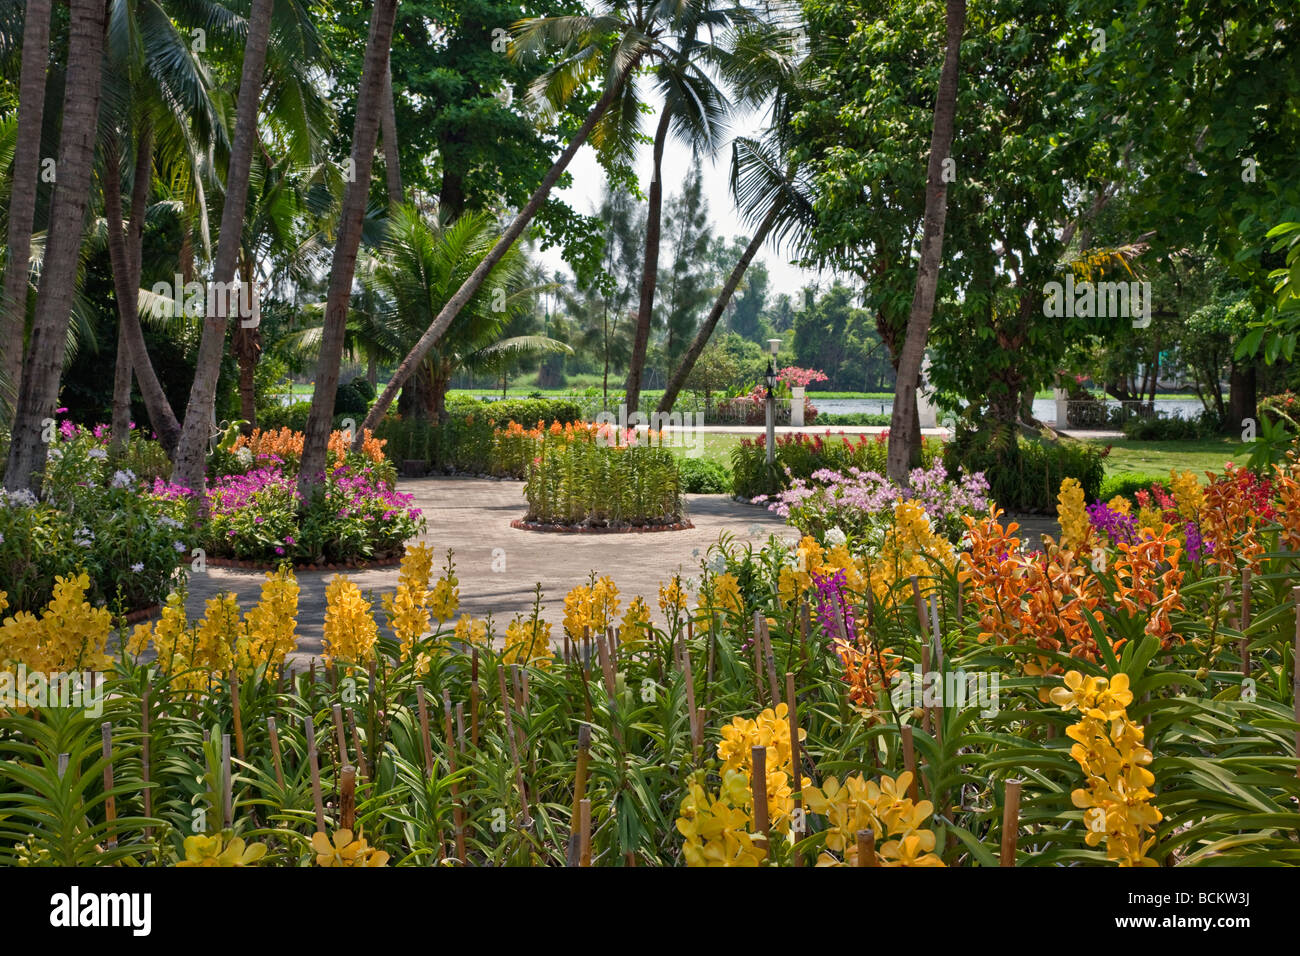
[(1243, 646), (110, 804), (909, 762), (314, 763), (340, 736), (356, 744), (697, 736), (144, 758), (584, 830), (1010, 823), (347, 797), (920, 605), (607, 669), (234, 710), (758, 787), (792, 708), (473, 713), (925, 676), (757, 644), (275, 750), (573, 854), (460, 726), (458, 812), (63, 764), (514, 747), (227, 784), (867, 848), (424, 729), (770, 659), (805, 616)]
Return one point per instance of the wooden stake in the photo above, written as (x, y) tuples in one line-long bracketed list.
[(458, 812), (573, 856), (770, 659), (473, 713), (584, 831), (340, 736), (792, 708), (867, 848), (356, 744), (514, 747), (758, 659), (697, 735), (607, 669), (804, 622), (144, 758), (234, 710), (347, 797), (227, 784), (1243, 646), (110, 804), (909, 762), (275, 750), (424, 729), (925, 671), (758, 787), (1010, 823), (314, 763)]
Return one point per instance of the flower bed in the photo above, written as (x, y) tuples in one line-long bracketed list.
[(587, 476), (1139, 706), (99, 517), (799, 455)]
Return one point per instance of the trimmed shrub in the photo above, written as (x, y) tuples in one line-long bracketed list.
[(799, 455), (1126, 485), (1032, 480), (701, 476)]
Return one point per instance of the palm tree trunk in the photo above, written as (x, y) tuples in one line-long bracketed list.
[(471, 285), (649, 269), (388, 134), (904, 426), (678, 380), (22, 199), (365, 133), (191, 453), (75, 167), (124, 253), (246, 342)]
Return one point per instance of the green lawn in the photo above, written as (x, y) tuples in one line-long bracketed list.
[(1158, 457)]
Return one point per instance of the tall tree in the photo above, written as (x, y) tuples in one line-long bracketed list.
[(22, 199), (609, 47), (365, 135), (904, 450), (191, 453), (74, 170)]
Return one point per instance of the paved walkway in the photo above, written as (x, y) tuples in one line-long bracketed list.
[(499, 566)]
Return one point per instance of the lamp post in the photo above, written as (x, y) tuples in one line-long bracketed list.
[(770, 378)]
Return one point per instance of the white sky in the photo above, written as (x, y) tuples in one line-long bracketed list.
[(589, 180)]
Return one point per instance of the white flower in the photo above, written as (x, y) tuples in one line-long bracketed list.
[(168, 522), (21, 498), (123, 479), (718, 563), (97, 453), (244, 456), (179, 546), (835, 537), (138, 567)]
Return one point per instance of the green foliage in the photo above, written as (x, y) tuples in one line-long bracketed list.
[(1128, 484), (1030, 478), (703, 476), (799, 455), (1160, 427), (581, 478)]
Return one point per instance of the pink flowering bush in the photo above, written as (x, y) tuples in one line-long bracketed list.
[(858, 505), (354, 514)]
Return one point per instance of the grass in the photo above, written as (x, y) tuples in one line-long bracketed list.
[(1159, 457)]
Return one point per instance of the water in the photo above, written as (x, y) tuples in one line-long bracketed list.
[(1044, 408)]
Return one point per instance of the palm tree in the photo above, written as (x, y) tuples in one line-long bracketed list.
[(191, 452), (694, 109), (158, 90), (768, 189), (422, 262), (608, 47), (22, 199), (904, 444), (365, 136), (38, 395)]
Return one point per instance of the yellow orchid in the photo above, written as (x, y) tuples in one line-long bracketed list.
[(214, 851), (345, 851)]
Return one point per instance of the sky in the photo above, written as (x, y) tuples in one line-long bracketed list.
[(588, 184)]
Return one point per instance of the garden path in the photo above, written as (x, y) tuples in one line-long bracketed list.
[(499, 566)]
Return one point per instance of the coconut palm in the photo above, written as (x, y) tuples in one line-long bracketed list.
[(22, 201), (75, 165), (420, 264), (607, 48)]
